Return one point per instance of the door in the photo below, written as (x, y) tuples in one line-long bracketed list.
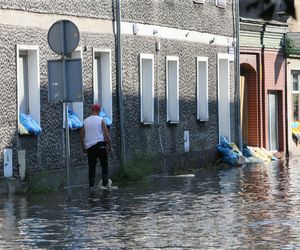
[(273, 120)]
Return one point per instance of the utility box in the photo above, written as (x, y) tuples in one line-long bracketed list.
[(8, 171)]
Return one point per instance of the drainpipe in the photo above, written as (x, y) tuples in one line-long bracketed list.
[(287, 153), (120, 81), (237, 67)]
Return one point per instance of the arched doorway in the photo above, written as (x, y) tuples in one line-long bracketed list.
[(249, 105)]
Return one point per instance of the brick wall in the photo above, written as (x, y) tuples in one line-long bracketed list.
[(274, 80), (271, 78)]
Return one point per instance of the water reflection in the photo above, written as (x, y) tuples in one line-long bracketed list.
[(255, 207)]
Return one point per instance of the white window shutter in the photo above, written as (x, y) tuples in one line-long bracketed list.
[(202, 88), (147, 88), (102, 80), (172, 77)]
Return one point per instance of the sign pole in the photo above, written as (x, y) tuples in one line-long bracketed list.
[(63, 42), (63, 38), (67, 150)]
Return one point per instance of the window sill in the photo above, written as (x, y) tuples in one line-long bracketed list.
[(173, 122), (147, 123), (203, 120)]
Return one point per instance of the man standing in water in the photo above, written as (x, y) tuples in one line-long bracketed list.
[(95, 141)]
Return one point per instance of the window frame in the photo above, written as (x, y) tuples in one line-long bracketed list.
[(146, 57), (170, 59), (295, 92), (34, 99), (108, 110), (201, 117), (222, 56), (219, 5)]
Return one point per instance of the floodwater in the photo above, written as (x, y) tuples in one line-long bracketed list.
[(253, 207)]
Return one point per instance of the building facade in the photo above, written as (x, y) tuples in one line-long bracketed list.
[(178, 77), (263, 86), (292, 79)]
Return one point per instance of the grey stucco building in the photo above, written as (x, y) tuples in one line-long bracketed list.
[(177, 75)]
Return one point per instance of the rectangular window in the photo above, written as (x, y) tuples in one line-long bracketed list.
[(76, 107), (221, 3), (295, 95), (224, 95), (28, 79), (147, 88), (202, 89), (172, 88), (296, 107), (102, 80)]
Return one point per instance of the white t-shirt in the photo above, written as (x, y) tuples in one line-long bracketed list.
[(93, 131)]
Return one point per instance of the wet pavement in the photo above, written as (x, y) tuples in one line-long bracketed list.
[(253, 207)]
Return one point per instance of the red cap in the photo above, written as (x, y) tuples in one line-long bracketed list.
[(96, 107)]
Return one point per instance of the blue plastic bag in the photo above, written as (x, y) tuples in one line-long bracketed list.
[(107, 120), (247, 152), (73, 120), (224, 147), (31, 125), (231, 159)]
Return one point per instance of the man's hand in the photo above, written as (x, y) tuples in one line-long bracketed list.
[(84, 150), (109, 149)]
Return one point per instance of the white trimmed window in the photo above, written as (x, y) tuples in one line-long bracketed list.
[(221, 3), (202, 88), (76, 107), (224, 95), (147, 88), (102, 79), (28, 79), (172, 88)]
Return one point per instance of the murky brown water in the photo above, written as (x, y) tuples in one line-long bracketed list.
[(254, 207)]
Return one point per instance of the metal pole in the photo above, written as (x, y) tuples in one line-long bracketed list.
[(120, 81), (237, 60), (67, 149), (66, 109)]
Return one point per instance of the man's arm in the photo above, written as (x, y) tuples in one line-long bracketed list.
[(106, 135), (82, 134)]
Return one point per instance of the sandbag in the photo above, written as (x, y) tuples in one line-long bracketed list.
[(23, 130), (105, 117), (30, 124), (73, 120)]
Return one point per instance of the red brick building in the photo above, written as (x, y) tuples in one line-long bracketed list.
[(262, 84)]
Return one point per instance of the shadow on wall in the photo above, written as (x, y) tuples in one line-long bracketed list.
[(47, 151)]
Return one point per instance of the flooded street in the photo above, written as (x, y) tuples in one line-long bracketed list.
[(253, 207)]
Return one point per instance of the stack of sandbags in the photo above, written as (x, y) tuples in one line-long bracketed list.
[(262, 154)]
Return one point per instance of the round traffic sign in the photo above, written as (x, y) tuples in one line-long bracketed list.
[(63, 37)]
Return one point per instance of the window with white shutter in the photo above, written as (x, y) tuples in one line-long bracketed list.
[(28, 79), (147, 88), (102, 80), (172, 88), (202, 89)]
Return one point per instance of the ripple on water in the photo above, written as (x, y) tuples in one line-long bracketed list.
[(256, 207)]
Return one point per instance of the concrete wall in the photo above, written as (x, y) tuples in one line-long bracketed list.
[(28, 25)]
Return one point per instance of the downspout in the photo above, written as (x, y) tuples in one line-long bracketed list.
[(237, 60), (120, 81), (286, 100)]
